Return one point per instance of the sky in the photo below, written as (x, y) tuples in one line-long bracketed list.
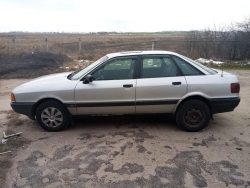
[(119, 15)]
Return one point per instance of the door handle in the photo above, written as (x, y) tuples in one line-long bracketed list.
[(128, 85), (176, 83)]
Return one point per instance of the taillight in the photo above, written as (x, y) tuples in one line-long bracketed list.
[(12, 97), (235, 87)]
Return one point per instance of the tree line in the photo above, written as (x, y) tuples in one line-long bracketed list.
[(230, 42)]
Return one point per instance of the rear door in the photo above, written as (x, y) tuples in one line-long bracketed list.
[(160, 85), (112, 90)]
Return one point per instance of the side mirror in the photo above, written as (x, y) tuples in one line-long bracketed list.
[(88, 79)]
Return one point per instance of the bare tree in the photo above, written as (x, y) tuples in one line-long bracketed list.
[(231, 42)]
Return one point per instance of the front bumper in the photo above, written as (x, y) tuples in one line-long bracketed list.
[(26, 108), (224, 104)]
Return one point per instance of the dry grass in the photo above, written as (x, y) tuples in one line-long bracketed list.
[(93, 46)]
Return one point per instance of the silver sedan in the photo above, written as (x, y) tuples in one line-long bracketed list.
[(130, 83)]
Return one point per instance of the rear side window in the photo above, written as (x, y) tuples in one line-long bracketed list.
[(156, 67), (186, 68)]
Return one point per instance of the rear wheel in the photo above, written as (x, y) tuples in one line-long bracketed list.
[(193, 115), (52, 116)]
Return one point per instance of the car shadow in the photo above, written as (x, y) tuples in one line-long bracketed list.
[(163, 121)]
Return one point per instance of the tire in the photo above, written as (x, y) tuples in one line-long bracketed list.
[(193, 115), (52, 116)]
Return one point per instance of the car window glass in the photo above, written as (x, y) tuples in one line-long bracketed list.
[(88, 68), (157, 67), (186, 68), (209, 70), (119, 64), (118, 69), (151, 62)]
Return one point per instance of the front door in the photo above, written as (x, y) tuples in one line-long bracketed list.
[(112, 90)]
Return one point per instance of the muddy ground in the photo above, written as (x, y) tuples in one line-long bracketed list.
[(127, 151)]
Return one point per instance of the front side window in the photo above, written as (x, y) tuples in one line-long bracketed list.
[(117, 69), (156, 67)]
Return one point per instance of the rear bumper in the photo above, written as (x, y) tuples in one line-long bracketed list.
[(26, 108), (224, 105)]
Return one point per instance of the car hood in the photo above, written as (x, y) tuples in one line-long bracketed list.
[(51, 80), (51, 77)]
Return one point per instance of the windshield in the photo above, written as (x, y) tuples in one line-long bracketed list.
[(88, 68), (211, 71)]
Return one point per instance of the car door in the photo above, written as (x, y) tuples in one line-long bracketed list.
[(160, 85), (112, 90)]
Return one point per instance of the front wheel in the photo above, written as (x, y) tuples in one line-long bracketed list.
[(52, 116), (193, 115)]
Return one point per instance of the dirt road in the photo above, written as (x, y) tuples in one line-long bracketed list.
[(127, 151)]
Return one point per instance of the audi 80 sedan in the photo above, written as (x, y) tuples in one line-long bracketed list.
[(142, 82)]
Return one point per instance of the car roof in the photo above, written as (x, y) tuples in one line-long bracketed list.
[(128, 53)]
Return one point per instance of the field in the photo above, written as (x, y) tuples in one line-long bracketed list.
[(28, 57), (32, 55), (92, 46)]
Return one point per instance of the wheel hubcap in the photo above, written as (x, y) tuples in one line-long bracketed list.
[(193, 117), (52, 117)]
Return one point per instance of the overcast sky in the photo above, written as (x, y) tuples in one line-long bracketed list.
[(119, 15)]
